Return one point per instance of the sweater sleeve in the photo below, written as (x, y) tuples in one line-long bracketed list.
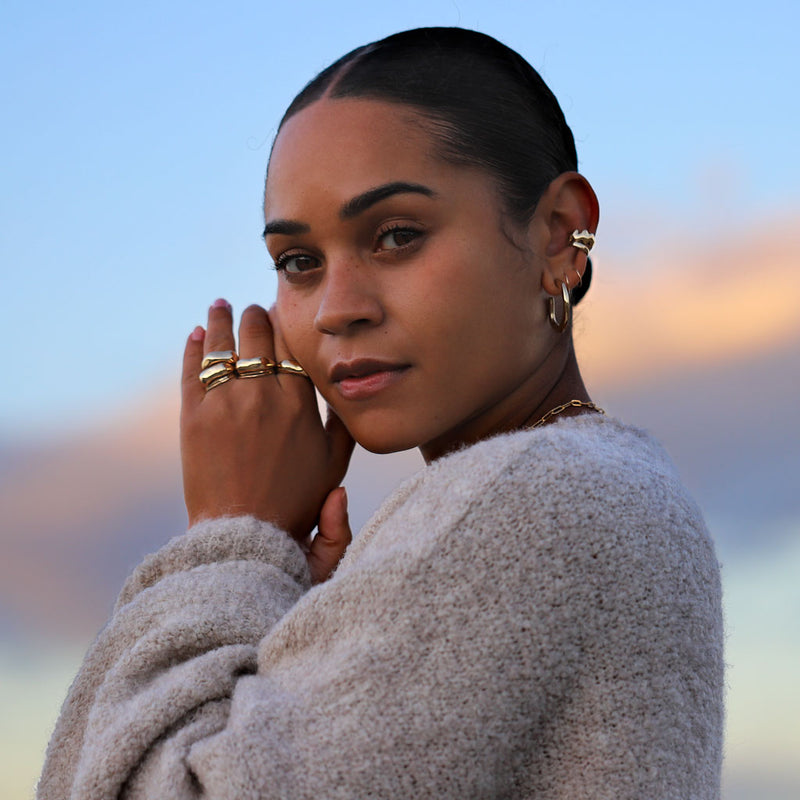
[(486, 636), (185, 628)]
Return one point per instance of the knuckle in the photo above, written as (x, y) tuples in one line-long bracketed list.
[(253, 325)]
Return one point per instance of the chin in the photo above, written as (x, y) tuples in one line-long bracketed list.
[(383, 438), (382, 445)]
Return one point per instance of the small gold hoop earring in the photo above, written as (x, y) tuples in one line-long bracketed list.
[(561, 325)]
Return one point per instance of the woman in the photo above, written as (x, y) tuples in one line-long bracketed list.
[(535, 614)]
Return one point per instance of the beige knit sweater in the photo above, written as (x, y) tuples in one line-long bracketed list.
[(536, 616)]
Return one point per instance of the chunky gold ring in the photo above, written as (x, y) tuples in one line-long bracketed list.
[(217, 374), (219, 357), (291, 368), (255, 367)]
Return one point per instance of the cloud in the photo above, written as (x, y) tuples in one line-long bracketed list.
[(685, 303)]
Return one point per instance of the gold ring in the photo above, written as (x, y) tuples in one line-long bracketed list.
[(291, 368), (218, 373), (219, 381), (255, 367), (219, 357)]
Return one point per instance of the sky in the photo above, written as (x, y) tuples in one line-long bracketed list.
[(136, 135)]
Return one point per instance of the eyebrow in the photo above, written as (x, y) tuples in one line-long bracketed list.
[(286, 227), (352, 208), (360, 203)]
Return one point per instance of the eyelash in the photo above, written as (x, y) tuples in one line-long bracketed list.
[(396, 227), (284, 258)]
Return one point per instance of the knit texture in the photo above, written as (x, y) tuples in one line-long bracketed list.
[(536, 616)]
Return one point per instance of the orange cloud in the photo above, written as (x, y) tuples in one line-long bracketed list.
[(687, 305)]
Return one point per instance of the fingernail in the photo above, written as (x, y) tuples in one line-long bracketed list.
[(221, 303), (344, 499), (198, 334)]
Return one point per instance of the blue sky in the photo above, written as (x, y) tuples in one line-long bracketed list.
[(136, 135)]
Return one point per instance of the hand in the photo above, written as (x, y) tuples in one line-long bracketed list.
[(256, 446)]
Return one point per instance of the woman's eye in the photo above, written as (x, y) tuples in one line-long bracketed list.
[(397, 237), (295, 264)]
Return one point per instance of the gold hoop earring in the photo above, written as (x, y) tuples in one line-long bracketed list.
[(561, 325)]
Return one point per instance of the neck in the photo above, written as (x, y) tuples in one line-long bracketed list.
[(557, 380), (570, 386)]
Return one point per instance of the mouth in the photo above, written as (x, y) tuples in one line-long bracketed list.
[(365, 377)]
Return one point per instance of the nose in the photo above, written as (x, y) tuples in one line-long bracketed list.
[(350, 299)]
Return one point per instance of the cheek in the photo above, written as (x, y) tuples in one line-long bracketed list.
[(461, 299), (448, 289)]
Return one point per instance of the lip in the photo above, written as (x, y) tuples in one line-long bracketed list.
[(365, 377)]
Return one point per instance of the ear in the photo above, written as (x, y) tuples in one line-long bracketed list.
[(568, 204)]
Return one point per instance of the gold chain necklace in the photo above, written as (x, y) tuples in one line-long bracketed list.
[(563, 407)]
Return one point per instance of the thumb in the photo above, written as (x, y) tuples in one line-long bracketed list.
[(333, 537)]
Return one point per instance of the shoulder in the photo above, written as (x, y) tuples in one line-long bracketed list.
[(573, 446), (579, 463), (585, 489), (576, 466), (596, 485)]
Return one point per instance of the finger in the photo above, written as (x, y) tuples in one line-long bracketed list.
[(219, 335), (276, 331), (334, 536), (340, 441), (255, 334), (191, 388), (281, 350), (301, 383)]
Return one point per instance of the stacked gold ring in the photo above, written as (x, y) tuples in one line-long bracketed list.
[(219, 357), (222, 366), (255, 367), (218, 367)]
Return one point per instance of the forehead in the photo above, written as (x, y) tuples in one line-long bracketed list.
[(340, 147)]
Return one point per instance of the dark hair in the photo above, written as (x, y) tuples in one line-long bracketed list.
[(487, 107)]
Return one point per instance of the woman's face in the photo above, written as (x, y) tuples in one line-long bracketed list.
[(400, 290)]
